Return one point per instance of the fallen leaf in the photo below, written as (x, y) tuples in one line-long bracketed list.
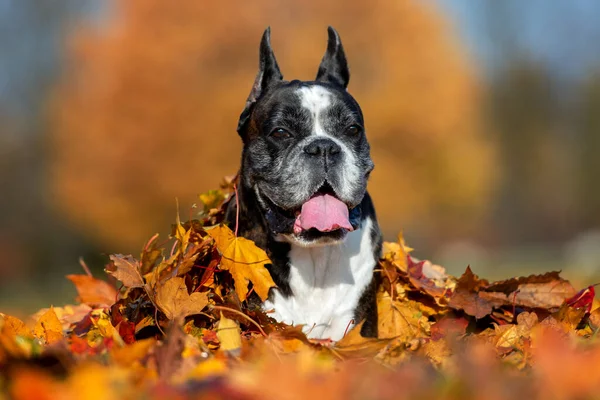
[(583, 299), (401, 319), (126, 269), (466, 297), (244, 261), (13, 326), (355, 345), (92, 290), (48, 327), (449, 326), (229, 335), (173, 299), (547, 295), (134, 352)]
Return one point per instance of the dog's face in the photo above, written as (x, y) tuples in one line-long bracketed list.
[(305, 155)]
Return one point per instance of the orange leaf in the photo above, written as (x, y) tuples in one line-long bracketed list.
[(245, 262), (48, 327), (13, 326), (92, 290)]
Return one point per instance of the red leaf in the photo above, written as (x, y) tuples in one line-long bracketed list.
[(582, 299), (127, 331)]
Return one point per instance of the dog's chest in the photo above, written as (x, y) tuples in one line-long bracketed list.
[(327, 283)]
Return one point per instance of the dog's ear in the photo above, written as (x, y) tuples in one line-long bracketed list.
[(334, 67), (268, 74)]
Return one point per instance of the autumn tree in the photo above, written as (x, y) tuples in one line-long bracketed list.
[(147, 109)]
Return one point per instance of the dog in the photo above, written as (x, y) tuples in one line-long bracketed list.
[(303, 196)]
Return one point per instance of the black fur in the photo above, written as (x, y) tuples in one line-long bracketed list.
[(269, 198)]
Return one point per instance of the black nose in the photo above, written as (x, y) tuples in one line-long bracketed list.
[(322, 147)]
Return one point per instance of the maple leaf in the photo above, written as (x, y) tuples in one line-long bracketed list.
[(126, 269), (173, 299), (245, 262), (466, 297), (400, 318), (92, 290), (48, 327)]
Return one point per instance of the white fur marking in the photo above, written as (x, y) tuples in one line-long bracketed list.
[(327, 283), (315, 99)]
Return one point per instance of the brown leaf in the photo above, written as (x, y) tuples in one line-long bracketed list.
[(244, 261), (149, 258), (354, 345), (546, 295), (465, 296), (92, 290), (449, 325), (168, 353), (173, 299), (126, 269)]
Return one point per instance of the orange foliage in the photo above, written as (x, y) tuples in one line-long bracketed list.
[(147, 108)]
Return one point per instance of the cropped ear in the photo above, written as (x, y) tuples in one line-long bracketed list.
[(334, 67), (268, 74)]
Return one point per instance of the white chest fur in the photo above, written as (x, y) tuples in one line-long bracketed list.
[(326, 283)]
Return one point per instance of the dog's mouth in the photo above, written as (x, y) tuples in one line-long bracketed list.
[(322, 216), (324, 211)]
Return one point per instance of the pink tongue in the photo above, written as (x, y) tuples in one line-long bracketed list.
[(323, 212)]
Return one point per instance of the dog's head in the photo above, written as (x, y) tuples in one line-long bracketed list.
[(305, 154)]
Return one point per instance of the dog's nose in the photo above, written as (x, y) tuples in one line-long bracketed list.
[(322, 147)]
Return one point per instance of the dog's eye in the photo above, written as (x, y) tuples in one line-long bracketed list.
[(280, 133), (353, 130)]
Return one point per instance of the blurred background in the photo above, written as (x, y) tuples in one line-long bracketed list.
[(483, 118)]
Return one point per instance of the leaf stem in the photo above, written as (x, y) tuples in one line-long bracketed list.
[(85, 267)]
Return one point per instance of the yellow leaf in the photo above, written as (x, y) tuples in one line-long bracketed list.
[(400, 318), (211, 199), (229, 334), (13, 326), (127, 270), (245, 262), (48, 327), (173, 299), (396, 253)]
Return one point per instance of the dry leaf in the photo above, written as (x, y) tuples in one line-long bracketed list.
[(126, 269), (48, 327), (402, 319), (229, 335), (356, 345), (13, 326), (173, 299), (244, 261), (92, 290)]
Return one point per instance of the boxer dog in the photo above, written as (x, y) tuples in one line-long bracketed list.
[(303, 196)]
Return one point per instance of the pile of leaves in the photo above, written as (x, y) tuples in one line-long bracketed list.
[(176, 323)]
